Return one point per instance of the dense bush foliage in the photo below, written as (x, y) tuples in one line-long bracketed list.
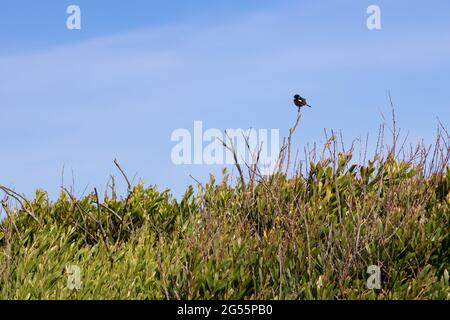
[(307, 235)]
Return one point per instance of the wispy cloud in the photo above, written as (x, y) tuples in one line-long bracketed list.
[(264, 40)]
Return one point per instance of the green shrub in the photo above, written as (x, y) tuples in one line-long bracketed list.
[(307, 235)]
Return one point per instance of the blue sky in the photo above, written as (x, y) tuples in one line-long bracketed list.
[(138, 70)]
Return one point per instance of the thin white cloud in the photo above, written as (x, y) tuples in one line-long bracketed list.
[(258, 41)]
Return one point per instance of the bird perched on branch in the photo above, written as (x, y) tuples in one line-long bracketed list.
[(300, 102)]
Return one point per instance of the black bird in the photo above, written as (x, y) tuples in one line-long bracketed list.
[(300, 102)]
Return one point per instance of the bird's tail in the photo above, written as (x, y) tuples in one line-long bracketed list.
[(308, 105)]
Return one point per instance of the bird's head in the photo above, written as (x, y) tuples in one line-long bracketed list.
[(297, 96)]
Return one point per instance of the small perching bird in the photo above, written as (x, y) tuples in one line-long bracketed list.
[(300, 102)]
